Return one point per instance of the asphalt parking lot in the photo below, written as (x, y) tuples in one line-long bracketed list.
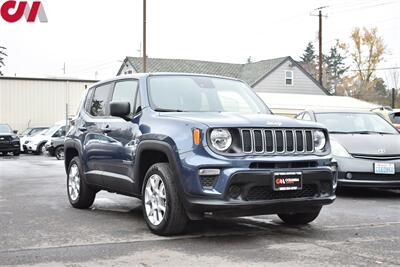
[(39, 228)]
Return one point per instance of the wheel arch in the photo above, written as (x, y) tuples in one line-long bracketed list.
[(150, 152), (71, 150)]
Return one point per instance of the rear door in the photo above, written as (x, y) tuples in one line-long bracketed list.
[(96, 143)]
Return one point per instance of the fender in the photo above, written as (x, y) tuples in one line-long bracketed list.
[(71, 143), (165, 148)]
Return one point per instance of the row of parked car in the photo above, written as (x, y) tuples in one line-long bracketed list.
[(36, 140)]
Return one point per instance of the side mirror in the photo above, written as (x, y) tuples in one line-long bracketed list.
[(15, 131), (120, 109)]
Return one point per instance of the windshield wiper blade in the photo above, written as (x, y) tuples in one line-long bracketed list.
[(369, 132), (338, 132), (168, 110)]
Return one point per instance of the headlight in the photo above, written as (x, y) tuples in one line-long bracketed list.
[(319, 140), (221, 139), (338, 150)]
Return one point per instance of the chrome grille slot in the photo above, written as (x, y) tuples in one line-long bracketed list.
[(258, 141), (269, 141), (309, 141), (289, 141), (277, 141), (247, 141), (299, 141)]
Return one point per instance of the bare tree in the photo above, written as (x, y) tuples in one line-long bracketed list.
[(2, 56), (367, 53)]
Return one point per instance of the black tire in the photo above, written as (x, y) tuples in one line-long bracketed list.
[(299, 218), (4, 153), (175, 219), (16, 153), (86, 194), (59, 152), (39, 149)]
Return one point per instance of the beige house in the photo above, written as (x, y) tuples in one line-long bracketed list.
[(28, 102)]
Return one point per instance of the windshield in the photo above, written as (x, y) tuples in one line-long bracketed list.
[(51, 130), (363, 123), (202, 94), (4, 128), (26, 131)]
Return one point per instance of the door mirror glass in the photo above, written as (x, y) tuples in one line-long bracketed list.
[(120, 109), (15, 131)]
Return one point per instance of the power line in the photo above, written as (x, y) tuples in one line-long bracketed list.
[(377, 69)]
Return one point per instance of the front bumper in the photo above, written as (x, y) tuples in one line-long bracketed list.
[(356, 172), (10, 147), (257, 196), (49, 149)]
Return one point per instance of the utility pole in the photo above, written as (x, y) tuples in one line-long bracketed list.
[(321, 57), (144, 38), (320, 47), (393, 98)]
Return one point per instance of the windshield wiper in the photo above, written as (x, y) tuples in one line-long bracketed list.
[(369, 132), (168, 110), (338, 132)]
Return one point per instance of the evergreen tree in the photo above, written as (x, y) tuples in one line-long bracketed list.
[(335, 66), (309, 56), (308, 60)]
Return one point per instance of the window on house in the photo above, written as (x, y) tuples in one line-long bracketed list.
[(289, 77)]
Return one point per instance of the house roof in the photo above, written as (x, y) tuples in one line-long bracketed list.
[(251, 73)]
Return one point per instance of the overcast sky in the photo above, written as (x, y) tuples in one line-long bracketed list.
[(95, 35)]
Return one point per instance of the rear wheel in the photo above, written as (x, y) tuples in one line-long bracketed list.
[(59, 152), (80, 195), (299, 218), (16, 153), (162, 208)]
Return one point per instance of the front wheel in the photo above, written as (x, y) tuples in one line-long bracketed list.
[(59, 152), (299, 218), (80, 195), (162, 208)]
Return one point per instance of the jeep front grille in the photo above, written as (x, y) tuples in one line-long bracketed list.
[(277, 141)]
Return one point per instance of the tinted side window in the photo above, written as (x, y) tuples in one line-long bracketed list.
[(99, 104), (60, 133), (125, 91), (88, 101)]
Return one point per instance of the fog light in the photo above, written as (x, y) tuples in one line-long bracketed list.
[(209, 172), (349, 175), (234, 191)]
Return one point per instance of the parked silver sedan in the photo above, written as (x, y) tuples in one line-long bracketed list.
[(366, 146)]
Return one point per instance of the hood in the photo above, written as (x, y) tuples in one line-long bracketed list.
[(237, 120), (369, 144), (7, 134)]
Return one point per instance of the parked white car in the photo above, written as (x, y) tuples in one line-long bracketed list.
[(27, 134), (36, 144)]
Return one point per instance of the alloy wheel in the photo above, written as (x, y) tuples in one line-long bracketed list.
[(74, 182), (155, 199)]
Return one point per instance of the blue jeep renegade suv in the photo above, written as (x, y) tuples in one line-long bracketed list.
[(194, 146)]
